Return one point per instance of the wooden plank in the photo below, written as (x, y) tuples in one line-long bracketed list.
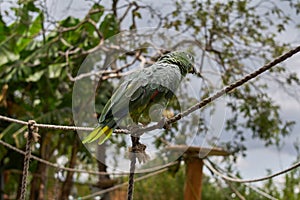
[(198, 150), (193, 181), (194, 165)]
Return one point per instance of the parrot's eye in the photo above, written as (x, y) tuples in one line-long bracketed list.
[(190, 57)]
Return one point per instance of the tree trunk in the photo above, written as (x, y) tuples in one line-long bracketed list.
[(103, 179), (67, 185), (38, 183), (19, 186), (1, 184)]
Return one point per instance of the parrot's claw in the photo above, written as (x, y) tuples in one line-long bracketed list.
[(163, 123), (139, 151), (135, 128)]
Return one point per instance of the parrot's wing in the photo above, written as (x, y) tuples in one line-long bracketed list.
[(138, 92), (139, 89), (118, 105), (114, 110), (160, 84)]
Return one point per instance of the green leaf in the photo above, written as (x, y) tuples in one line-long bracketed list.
[(22, 43), (97, 15), (36, 76), (36, 25), (31, 7), (54, 70), (6, 53), (109, 26), (11, 130), (69, 22), (34, 29), (3, 151), (3, 29)]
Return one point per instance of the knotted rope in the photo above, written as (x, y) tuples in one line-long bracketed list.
[(30, 135), (137, 152)]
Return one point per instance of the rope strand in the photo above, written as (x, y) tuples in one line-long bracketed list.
[(131, 178), (238, 180), (135, 142), (27, 159), (257, 190), (31, 125), (82, 170), (177, 117), (197, 106), (60, 127), (122, 184)]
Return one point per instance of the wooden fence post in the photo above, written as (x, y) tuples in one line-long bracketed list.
[(193, 180), (194, 164)]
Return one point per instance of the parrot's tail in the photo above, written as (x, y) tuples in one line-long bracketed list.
[(101, 133)]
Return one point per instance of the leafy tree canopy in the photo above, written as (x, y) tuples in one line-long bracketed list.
[(40, 57)]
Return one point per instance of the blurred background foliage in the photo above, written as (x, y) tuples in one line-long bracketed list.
[(40, 57)]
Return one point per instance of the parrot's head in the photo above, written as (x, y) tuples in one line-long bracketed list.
[(183, 60)]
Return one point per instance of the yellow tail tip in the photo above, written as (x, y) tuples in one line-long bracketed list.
[(101, 133)]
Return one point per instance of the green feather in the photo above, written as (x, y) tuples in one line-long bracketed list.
[(139, 91), (98, 133)]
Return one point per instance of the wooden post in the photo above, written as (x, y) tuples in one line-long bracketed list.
[(193, 181), (194, 165)]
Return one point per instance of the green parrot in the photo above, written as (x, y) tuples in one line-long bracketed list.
[(139, 95)]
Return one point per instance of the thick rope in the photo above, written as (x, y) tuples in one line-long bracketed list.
[(235, 85), (209, 165), (30, 138), (195, 107), (172, 120), (135, 142), (261, 192), (122, 184), (255, 189), (223, 91), (131, 178), (54, 165), (60, 127), (137, 152)]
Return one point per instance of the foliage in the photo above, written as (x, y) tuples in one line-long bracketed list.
[(170, 186), (40, 58), (160, 187), (232, 33), (34, 72)]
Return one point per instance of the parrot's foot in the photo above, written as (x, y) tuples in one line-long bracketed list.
[(139, 151), (134, 129), (163, 123)]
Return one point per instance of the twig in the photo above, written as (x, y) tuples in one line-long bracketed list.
[(223, 91), (177, 117), (235, 85)]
